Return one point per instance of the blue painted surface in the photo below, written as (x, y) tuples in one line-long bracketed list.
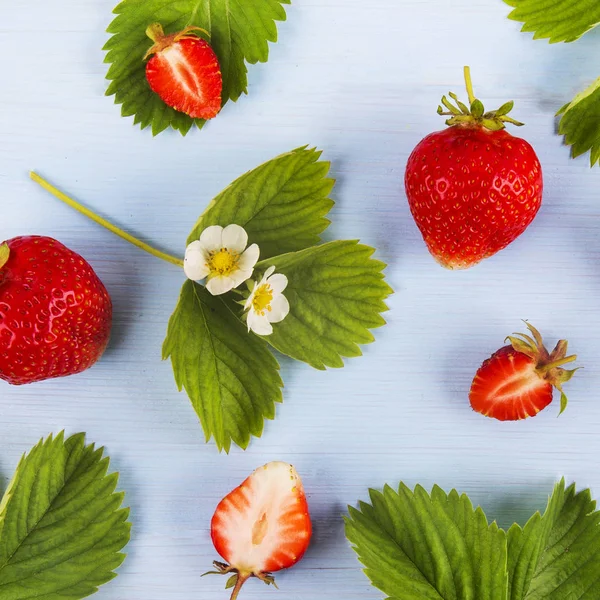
[(361, 81)]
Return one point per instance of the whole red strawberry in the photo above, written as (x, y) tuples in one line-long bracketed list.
[(518, 381), (184, 71), (262, 526), (55, 314), (472, 188)]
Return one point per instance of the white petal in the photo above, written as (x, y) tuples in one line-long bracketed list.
[(270, 271), (250, 298), (194, 263), (249, 258), (219, 285), (259, 323), (196, 271), (235, 238), (280, 307), (238, 277), (262, 281), (212, 238), (278, 283), (194, 247)]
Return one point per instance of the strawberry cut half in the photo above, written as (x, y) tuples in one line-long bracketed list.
[(518, 380), (184, 71), (262, 526)]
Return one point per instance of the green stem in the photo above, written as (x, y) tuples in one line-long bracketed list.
[(469, 84), (4, 254), (238, 586), (155, 32), (97, 219), (557, 363)]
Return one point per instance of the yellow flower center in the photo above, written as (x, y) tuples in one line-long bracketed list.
[(262, 299), (222, 262)]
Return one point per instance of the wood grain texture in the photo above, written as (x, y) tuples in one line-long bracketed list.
[(360, 80)]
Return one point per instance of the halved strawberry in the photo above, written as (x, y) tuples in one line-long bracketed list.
[(517, 381), (184, 71), (262, 526)]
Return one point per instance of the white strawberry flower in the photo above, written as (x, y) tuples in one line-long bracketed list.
[(267, 304), (221, 256)]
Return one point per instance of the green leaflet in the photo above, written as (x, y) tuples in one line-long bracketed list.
[(230, 376), (282, 204), (417, 546), (567, 21), (61, 523), (580, 123), (240, 32), (336, 293), (557, 20), (434, 546), (557, 556)]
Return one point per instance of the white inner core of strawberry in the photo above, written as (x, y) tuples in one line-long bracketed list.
[(262, 519), (518, 383), (183, 72)]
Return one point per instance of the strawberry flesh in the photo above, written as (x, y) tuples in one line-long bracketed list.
[(263, 525), (507, 387), (186, 75)]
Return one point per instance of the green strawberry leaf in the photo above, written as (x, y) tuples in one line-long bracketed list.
[(282, 204), (557, 556), (239, 34), (336, 293), (417, 546), (61, 523), (567, 21), (580, 123), (564, 21), (230, 376)]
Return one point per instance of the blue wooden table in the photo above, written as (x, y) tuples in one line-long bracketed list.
[(360, 81)]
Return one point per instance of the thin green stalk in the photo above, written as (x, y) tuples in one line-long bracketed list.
[(469, 83), (106, 224), (238, 586)]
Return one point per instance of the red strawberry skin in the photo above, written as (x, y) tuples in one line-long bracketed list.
[(187, 76), (507, 387), (55, 314), (472, 191)]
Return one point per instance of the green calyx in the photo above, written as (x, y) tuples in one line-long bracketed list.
[(161, 41), (4, 254), (237, 579), (548, 364), (475, 114)]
